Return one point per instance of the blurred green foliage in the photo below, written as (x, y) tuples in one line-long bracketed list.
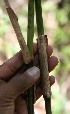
[(60, 40), (3, 24)]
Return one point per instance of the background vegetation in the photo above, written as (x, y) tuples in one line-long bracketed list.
[(56, 15)]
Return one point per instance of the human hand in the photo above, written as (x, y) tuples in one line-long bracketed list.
[(13, 84)]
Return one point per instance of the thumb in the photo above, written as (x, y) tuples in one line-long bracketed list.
[(20, 83)]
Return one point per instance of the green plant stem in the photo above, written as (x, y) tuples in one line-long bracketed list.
[(30, 35), (39, 19), (42, 54), (47, 105)]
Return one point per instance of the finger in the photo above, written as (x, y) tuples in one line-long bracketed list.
[(15, 113), (20, 105), (2, 82), (20, 102), (39, 88), (11, 66), (19, 84), (53, 62), (50, 49)]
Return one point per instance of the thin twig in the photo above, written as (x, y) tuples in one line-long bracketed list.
[(42, 46), (17, 29), (6, 3), (43, 59)]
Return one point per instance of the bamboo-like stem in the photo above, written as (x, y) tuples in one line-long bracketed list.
[(17, 29), (39, 19), (30, 35), (42, 46), (48, 105)]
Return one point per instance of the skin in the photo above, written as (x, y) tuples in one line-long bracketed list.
[(14, 82)]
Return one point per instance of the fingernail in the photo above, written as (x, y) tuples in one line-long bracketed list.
[(33, 72)]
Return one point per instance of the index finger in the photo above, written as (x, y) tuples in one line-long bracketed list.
[(9, 68), (12, 65)]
